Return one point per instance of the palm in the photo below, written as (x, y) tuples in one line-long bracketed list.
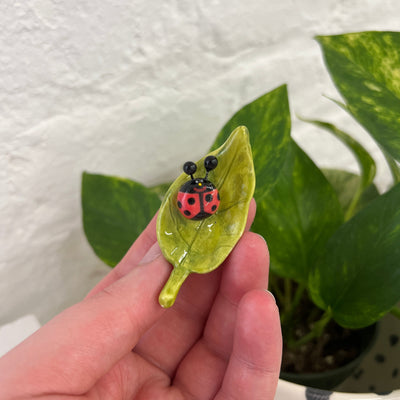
[(186, 353), (221, 339)]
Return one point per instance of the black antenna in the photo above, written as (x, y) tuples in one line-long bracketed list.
[(189, 168), (210, 163)]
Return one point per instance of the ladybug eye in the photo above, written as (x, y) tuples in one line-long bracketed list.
[(189, 168), (210, 163)]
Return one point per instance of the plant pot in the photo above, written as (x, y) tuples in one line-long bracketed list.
[(329, 379), (291, 391)]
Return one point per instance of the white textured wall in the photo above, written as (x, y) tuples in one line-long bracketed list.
[(126, 88)]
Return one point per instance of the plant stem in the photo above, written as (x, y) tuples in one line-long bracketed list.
[(275, 289), (316, 331), (364, 160), (297, 296), (287, 293), (287, 315), (354, 202), (292, 307), (396, 312), (313, 315)]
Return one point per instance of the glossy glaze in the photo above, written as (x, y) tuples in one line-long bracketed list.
[(202, 245)]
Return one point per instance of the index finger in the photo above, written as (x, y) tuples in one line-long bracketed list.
[(71, 352)]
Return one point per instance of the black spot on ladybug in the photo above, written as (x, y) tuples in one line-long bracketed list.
[(179, 204), (214, 207), (191, 200), (218, 197), (208, 198), (187, 213)]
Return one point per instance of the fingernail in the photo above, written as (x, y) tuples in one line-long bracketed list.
[(152, 254), (270, 293), (262, 237)]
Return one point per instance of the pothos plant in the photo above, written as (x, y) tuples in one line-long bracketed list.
[(334, 240)]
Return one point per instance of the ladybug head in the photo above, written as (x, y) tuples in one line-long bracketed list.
[(210, 163)]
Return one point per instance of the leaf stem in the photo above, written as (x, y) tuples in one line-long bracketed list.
[(275, 289), (354, 202), (316, 331), (297, 296), (287, 282), (365, 161), (393, 166), (170, 290), (290, 309)]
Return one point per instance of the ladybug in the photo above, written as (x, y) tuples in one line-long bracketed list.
[(198, 198)]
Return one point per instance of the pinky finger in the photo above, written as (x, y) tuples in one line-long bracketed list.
[(254, 365)]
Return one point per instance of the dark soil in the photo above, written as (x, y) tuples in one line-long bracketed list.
[(336, 346)]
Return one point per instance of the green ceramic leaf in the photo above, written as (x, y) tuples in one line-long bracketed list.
[(115, 211), (365, 67), (268, 120), (201, 246), (346, 185), (358, 275), (365, 161), (299, 214)]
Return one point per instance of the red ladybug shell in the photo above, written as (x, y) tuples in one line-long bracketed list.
[(198, 199)]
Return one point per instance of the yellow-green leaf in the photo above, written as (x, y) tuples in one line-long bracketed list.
[(201, 246)]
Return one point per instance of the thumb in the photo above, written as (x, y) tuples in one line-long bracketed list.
[(81, 344)]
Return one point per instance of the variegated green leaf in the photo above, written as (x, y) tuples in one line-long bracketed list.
[(346, 185), (358, 276), (268, 120), (298, 216), (115, 212), (365, 67), (365, 161)]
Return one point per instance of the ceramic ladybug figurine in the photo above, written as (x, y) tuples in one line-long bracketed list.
[(198, 198)]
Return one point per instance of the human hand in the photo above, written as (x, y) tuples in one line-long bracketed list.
[(220, 340)]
